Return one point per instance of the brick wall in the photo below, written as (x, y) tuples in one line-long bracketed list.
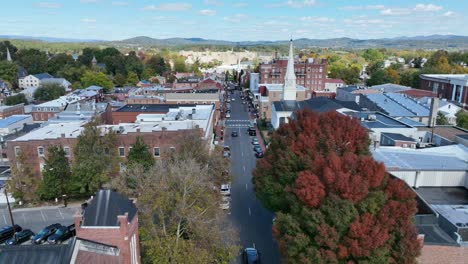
[(13, 110)]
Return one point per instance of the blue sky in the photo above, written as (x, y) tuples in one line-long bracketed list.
[(233, 20)]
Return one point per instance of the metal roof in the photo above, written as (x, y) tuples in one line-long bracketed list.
[(388, 105), (397, 137), (410, 104), (12, 119), (158, 108)]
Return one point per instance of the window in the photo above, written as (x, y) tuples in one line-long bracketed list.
[(156, 152), (40, 151), (320, 70), (67, 151), (121, 151), (17, 151)]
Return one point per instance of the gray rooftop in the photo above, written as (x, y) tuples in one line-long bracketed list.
[(381, 120), (398, 137), (411, 122), (389, 105)]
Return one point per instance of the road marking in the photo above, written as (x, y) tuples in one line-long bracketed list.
[(244, 168), (250, 212), (246, 186), (242, 153), (4, 218), (253, 245), (24, 217), (61, 213), (43, 217)]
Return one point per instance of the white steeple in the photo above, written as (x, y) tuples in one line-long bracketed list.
[(8, 56), (289, 89)]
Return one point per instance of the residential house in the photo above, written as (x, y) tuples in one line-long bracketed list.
[(32, 80)]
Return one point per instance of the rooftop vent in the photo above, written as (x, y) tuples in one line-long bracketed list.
[(372, 117)]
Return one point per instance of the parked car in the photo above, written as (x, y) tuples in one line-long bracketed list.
[(234, 134), (7, 232), (45, 233), (252, 131), (226, 151), (61, 234), (228, 115), (251, 256), (259, 154), (225, 189), (20, 237), (225, 202), (255, 141), (257, 148), (233, 99)]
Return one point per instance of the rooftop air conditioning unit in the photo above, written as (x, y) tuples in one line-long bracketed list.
[(372, 117)]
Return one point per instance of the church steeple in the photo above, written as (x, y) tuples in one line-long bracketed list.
[(94, 61), (8, 56), (289, 89)]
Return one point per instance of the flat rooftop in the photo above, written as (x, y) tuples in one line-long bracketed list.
[(448, 132), (53, 131), (381, 120), (434, 235), (443, 195), (151, 108), (436, 158), (455, 214), (13, 119)]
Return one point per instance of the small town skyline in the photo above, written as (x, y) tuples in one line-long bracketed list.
[(240, 21)]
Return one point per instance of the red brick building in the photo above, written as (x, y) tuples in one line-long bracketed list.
[(6, 111), (311, 73), (452, 87), (111, 219)]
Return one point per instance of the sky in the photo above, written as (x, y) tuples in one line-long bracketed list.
[(233, 20)]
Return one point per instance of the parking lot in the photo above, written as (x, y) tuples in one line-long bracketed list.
[(38, 218)]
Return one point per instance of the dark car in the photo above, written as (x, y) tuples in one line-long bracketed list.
[(45, 233), (62, 234), (7, 232), (251, 256), (252, 131), (257, 149), (259, 154), (234, 134), (20, 237)]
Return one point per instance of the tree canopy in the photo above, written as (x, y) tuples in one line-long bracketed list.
[(140, 154), (462, 119), (56, 175), (334, 203), (16, 99), (49, 91), (96, 78)]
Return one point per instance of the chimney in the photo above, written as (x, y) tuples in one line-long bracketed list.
[(433, 111)]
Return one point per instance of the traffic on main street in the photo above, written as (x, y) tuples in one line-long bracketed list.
[(246, 213)]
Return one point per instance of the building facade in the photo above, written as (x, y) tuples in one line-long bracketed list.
[(452, 87), (6, 111)]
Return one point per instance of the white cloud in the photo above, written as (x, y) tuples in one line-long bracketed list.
[(298, 4), (213, 2), (317, 19), (88, 20), (88, 1), (207, 12), (395, 12), (49, 5), (238, 5), (235, 18), (448, 14), (362, 21), (427, 8), (367, 7), (120, 3), (169, 7)]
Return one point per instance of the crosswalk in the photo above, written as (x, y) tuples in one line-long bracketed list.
[(234, 123)]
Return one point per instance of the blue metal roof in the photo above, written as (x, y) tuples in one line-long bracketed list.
[(388, 105), (411, 122), (409, 104), (12, 119)]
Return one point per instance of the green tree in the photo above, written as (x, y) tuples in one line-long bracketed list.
[(8, 71), (179, 64), (147, 74), (16, 99), (132, 78), (462, 119), (3, 50), (72, 73), (96, 78), (158, 64), (441, 119), (58, 62), (33, 60), (56, 175), (378, 77), (87, 55), (120, 80), (140, 155), (373, 55), (23, 183), (49, 91), (95, 158), (133, 63)]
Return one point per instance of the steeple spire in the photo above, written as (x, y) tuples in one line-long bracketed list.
[(8, 56), (289, 89), (94, 61)]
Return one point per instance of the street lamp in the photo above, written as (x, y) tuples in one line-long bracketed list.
[(9, 210)]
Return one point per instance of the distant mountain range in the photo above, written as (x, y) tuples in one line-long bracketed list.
[(417, 42)]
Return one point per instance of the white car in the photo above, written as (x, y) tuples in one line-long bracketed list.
[(225, 189), (228, 115), (233, 99), (225, 203)]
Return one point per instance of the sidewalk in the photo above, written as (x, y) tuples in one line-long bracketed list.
[(59, 205)]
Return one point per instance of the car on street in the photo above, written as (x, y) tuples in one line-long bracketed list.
[(233, 99), (20, 237), (234, 134), (225, 189), (259, 154), (243, 102), (45, 233), (228, 115), (257, 148), (255, 141), (226, 151), (61, 234), (7, 232), (251, 256), (252, 131), (225, 203)]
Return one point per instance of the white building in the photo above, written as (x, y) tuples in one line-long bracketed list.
[(14, 124), (254, 80), (32, 80), (60, 81)]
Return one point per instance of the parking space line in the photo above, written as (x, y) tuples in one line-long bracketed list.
[(246, 186), (4, 218), (24, 217), (43, 217), (244, 168), (61, 213), (250, 212)]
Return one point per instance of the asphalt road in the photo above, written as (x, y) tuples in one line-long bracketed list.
[(252, 220)]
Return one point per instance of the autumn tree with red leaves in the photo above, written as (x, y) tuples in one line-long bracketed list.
[(334, 203)]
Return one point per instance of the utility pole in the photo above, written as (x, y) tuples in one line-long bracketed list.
[(9, 210)]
